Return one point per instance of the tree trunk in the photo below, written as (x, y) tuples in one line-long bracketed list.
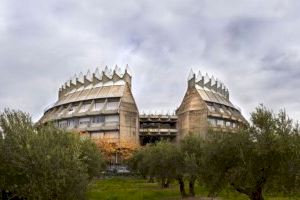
[(181, 186), (192, 187), (167, 183), (163, 182), (257, 195), (151, 179)]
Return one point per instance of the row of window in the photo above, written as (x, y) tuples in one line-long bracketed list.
[(98, 106), (89, 121), (220, 108), (222, 122)]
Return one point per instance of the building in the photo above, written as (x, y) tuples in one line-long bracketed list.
[(154, 127), (205, 106), (100, 105)]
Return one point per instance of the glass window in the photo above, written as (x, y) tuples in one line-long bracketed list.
[(112, 118), (220, 122), (84, 121), (98, 106), (84, 108), (228, 123), (112, 105), (212, 121), (233, 124), (62, 124), (71, 123), (98, 119)]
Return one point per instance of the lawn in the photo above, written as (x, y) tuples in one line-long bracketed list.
[(124, 188)]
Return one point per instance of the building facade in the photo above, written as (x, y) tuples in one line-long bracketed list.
[(205, 106), (101, 106), (155, 127)]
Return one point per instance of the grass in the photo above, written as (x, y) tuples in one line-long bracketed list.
[(125, 188)]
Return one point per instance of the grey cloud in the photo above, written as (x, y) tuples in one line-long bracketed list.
[(251, 45)]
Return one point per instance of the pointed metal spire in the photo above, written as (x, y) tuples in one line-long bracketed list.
[(199, 76), (69, 82), (213, 80), (191, 75), (81, 77), (98, 74), (108, 71), (74, 79), (118, 71), (89, 76), (206, 78), (128, 70), (116, 68)]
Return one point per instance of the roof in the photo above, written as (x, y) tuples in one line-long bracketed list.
[(89, 93), (209, 95)]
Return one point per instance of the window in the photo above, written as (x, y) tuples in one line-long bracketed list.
[(98, 106), (71, 123), (233, 124), (84, 121), (98, 119), (220, 122), (112, 105), (62, 124), (84, 108), (112, 118), (228, 123), (212, 121)]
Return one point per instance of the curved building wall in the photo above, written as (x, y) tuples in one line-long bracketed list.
[(99, 105)]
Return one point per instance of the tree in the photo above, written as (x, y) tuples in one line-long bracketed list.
[(110, 150), (255, 158), (44, 162), (191, 149), (159, 160)]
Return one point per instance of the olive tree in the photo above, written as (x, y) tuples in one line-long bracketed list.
[(191, 150), (263, 155), (44, 162)]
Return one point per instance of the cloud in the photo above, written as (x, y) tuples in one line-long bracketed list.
[(252, 46)]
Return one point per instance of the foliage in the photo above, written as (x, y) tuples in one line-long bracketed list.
[(110, 149), (44, 162), (191, 149), (160, 160), (263, 156), (167, 161)]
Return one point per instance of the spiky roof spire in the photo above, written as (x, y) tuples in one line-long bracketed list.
[(91, 79), (191, 74), (208, 82)]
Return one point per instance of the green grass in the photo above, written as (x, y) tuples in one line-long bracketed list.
[(124, 188)]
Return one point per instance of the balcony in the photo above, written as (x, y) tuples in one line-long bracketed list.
[(156, 131)]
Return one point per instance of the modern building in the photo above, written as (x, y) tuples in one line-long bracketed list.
[(155, 127), (205, 106), (100, 105)]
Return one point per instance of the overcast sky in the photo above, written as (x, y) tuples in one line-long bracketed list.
[(252, 46)]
